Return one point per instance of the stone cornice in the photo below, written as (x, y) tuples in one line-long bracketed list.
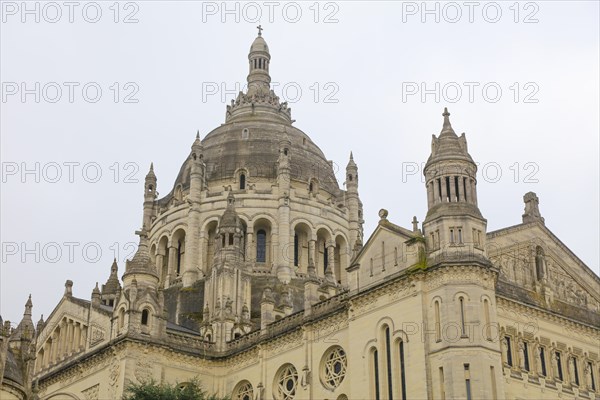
[(588, 330)]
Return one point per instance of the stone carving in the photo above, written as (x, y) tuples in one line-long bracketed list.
[(532, 210), (538, 361), (91, 393), (96, 336), (259, 97), (143, 370), (521, 355), (504, 350), (555, 366), (572, 371), (113, 376), (540, 265), (588, 376)]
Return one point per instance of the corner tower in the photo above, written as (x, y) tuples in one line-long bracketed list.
[(460, 329), (453, 217)]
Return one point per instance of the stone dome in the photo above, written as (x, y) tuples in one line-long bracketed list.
[(254, 147), (250, 139), (259, 44), (448, 146)]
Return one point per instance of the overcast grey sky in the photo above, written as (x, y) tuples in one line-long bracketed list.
[(373, 77)]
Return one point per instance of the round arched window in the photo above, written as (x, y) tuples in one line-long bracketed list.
[(333, 367), (243, 391), (286, 383)]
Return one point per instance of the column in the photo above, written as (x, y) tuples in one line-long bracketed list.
[(452, 188), (77, 336), (54, 348), (250, 251), (84, 336), (73, 337), (468, 194), (160, 259), (436, 192), (62, 340), (312, 262), (331, 258), (172, 265), (444, 189), (429, 194), (201, 250), (474, 191), (47, 351), (461, 190)]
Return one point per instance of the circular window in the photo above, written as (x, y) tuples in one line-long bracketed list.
[(286, 383), (333, 367), (243, 391)]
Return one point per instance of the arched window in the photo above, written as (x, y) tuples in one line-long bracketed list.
[(486, 311), (325, 258), (179, 254), (438, 325), (145, 315), (310, 187), (286, 383), (121, 318), (243, 391), (261, 246), (375, 373), (296, 249), (463, 328), (243, 181), (333, 367), (402, 369), (388, 362)]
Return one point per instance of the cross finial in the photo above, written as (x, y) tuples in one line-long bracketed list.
[(260, 29)]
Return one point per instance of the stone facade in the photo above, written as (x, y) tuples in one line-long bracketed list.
[(253, 276)]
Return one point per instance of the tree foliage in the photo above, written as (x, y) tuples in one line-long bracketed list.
[(152, 390)]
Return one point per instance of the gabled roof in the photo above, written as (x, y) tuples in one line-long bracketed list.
[(583, 275), (383, 224)]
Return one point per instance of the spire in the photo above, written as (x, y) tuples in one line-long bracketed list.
[(25, 329), (28, 307), (112, 284), (40, 324), (259, 79), (415, 224), (447, 128), (141, 263), (96, 295), (150, 175), (259, 98), (197, 147), (351, 162)]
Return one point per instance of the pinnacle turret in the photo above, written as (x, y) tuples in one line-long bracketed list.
[(447, 127), (453, 217), (112, 285), (141, 263)]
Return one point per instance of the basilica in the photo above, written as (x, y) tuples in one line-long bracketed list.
[(253, 276)]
